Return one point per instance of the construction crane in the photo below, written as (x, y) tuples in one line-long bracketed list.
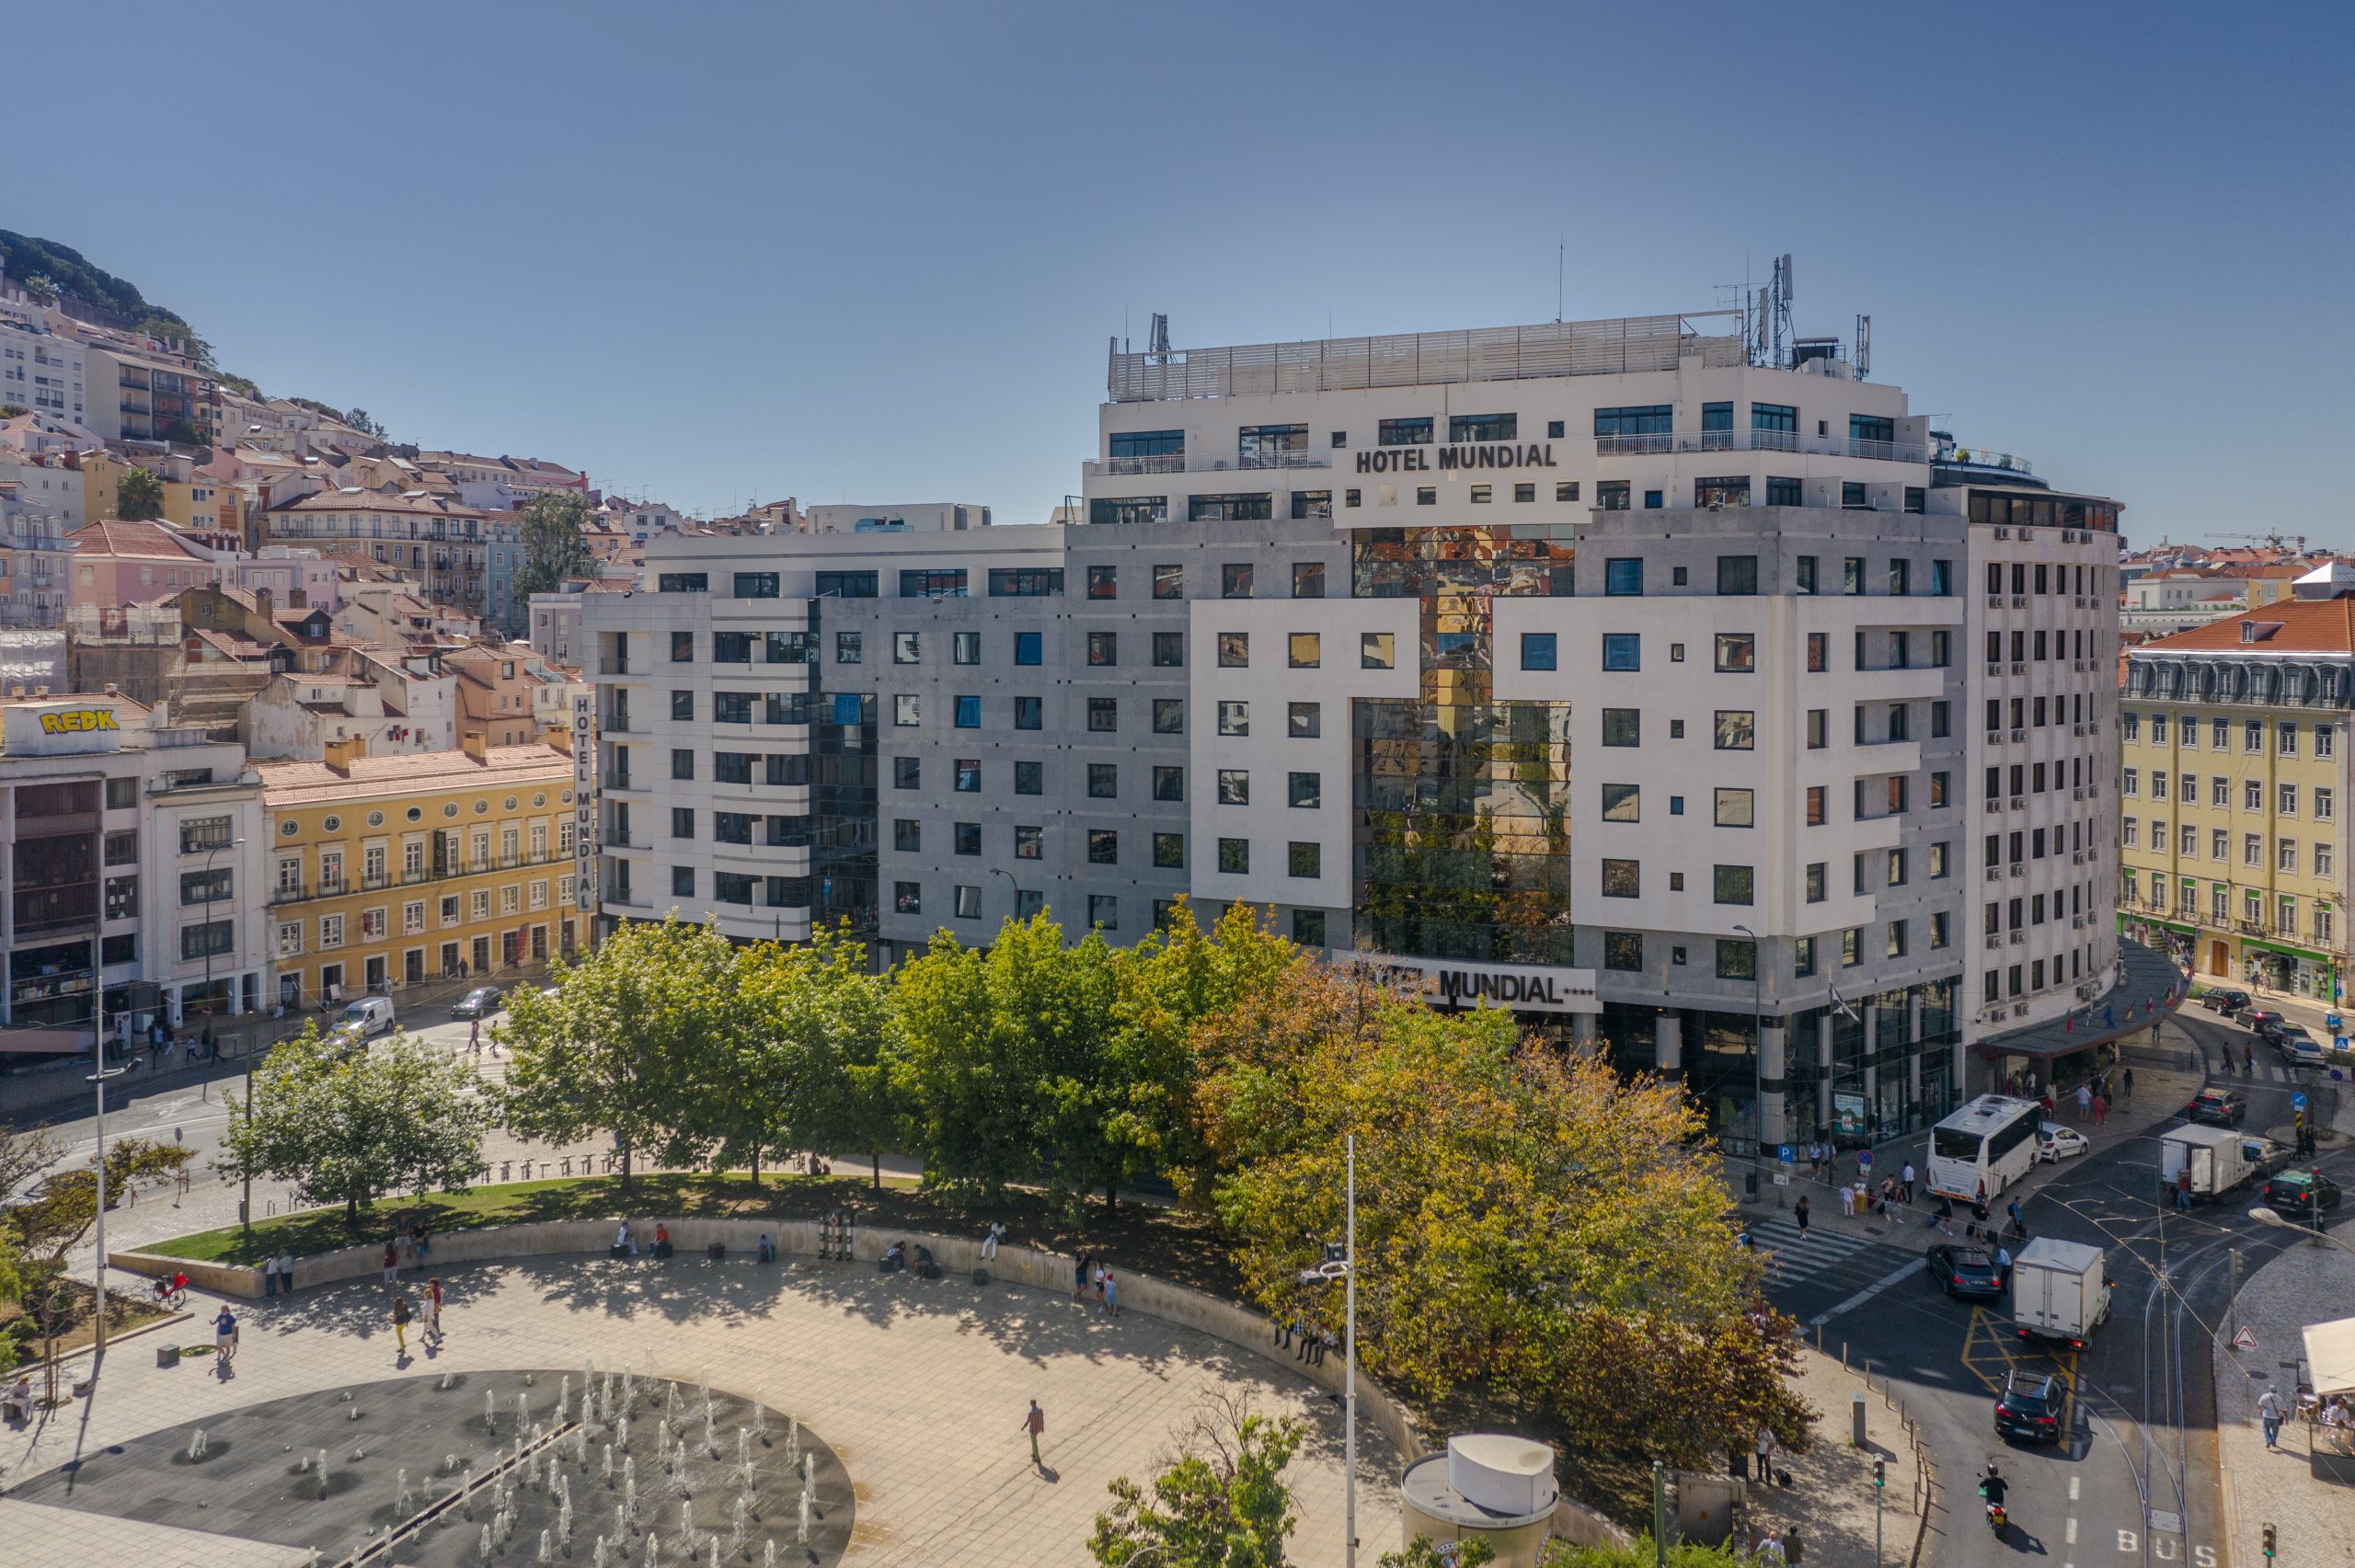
[(2278, 542)]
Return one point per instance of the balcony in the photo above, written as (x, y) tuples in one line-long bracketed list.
[(1195, 463), (1661, 443)]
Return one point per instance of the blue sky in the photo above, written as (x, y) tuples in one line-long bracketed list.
[(874, 253)]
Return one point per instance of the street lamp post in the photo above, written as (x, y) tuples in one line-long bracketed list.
[(2271, 1217), (1758, 1067), (998, 871), (100, 1078), (1345, 1268)]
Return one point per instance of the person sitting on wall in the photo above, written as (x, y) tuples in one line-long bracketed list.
[(661, 1240), (894, 1258), (767, 1251), (624, 1244)]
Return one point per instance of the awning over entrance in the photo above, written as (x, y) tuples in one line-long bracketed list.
[(2330, 1356), (2152, 988)]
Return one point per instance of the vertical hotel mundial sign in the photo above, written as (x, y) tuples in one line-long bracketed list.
[(584, 807)]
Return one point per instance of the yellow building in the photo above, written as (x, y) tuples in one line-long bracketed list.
[(392, 872), (200, 501), (2234, 777)]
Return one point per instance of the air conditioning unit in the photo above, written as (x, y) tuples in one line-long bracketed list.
[(2019, 735), (2019, 668), (2019, 803), (2019, 868), (2019, 601), (1995, 602), (2019, 939), (2002, 534)]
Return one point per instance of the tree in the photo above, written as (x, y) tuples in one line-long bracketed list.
[(1528, 1223), (13, 410), (778, 1079), (168, 326), (359, 421), (551, 528), (1221, 1502), (139, 497), (350, 1128), (242, 385), (1423, 1553), (618, 1047), (44, 1230)]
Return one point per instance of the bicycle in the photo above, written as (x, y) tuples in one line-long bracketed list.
[(169, 1296)]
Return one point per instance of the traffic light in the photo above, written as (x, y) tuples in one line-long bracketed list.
[(2269, 1540), (1880, 1478)]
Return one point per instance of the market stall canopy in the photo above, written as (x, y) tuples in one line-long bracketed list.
[(2330, 1356)]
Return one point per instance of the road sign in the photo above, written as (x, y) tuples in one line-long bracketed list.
[(1782, 1178), (1864, 1159), (1784, 1153), (2244, 1341), (2298, 1100)]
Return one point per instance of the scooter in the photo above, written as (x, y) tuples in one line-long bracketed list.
[(1996, 1517)]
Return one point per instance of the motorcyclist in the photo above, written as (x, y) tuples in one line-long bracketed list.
[(1992, 1485)]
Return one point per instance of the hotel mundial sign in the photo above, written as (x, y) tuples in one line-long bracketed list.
[(1521, 987), (1459, 455), (584, 808)]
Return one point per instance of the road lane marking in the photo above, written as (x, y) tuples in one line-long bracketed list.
[(2070, 1535), (1912, 1266), (2074, 1481)]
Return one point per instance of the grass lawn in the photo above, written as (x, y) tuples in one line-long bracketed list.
[(1183, 1248)]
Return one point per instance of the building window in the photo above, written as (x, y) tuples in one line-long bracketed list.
[(1404, 432), (1305, 721), (1170, 852), (1029, 712), (1537, 650), (1103, 714), (1427, 495), (907, 773), (1737, 729), (1736, 653), (1482, 494), (1622, 650), (1376, 651), (1169, 650), (1622, 950), (969, 713), (1103, 781), (1234, 581), (1029, 843), (1235, 786), (968, 775), (907, 835), (1258, 508), (1168, 783), (1623, 879), (1026, 647), (1732, 883), (1622, 803), (1736, 959), (1235, 855), (1103, 846), (1103, 583), (756, 585), (1305, 859), (1736, 807), (907, 709), (1030, 778), (1312, 503), (1234, 718), (1234, 650), (1169, 715), (1622, 577), (1623, 726), (1170, 583), (1307, 789)]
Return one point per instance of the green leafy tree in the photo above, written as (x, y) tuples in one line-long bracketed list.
[(359, 419), (621, 1046), (350, 1127), (551, 527), (1528, 1223), (1222, 1502), (138, 497), (1423, 1553), (13, 410), (1639, 1554), (242, 385), (779, 1075), (199, 350)]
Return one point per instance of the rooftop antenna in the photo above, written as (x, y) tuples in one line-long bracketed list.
[(1160, 340), (1864, 346)]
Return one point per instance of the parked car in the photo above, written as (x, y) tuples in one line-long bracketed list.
[(2217, 1107), (479, 1002), (1965, 1273), (2263, 1156), (2224, 1000), (2299, 1048), (2297, 1194), (2055, 1143), (2263, 1021), (2029, 1408)]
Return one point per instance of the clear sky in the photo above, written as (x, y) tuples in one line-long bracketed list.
[(874, 252)]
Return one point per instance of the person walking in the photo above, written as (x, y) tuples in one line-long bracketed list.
[(392, 1265), (224, 1335), (2126, 1083), (401, 1315), (433, 1306), (1764, 1448), (474, 1036), (421, 1240), (2183, 1188), (1906, 1182), (2269, 1412), (2084, 1101), (1035, 1422), (2101, 1108), (1079, 1276), (1800, 1214)]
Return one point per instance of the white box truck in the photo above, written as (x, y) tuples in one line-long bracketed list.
[(2059, 1291), (2218, 1158)]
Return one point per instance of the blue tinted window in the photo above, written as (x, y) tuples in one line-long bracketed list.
[(1623, 575), (1622, 650), (1537, 650), (1026, 647), (969, 713)]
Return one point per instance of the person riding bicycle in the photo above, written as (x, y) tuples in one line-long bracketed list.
[(1993, 1485)]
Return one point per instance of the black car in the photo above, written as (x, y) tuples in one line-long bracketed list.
[(2220, 999), (2217, 1107), (2299, 1193), (2029, 1408), (1965, 1273), (479, 1002)]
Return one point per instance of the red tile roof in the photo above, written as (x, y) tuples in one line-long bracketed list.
[(2298, 625)]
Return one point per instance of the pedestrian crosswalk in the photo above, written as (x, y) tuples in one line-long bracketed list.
[(1813, 1274)]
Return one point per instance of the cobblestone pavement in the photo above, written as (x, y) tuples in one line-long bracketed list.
[(1831, 1498), (2306, 1283), (919, 1386)]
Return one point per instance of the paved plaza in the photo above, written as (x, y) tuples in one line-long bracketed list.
[(918, 1387), (2306, 1284)]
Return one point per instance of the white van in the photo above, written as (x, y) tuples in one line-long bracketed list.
[(367, 1018)]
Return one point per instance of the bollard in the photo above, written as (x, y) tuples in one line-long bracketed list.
[(1855, 1420)]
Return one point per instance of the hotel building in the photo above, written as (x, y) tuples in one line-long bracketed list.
[(1339, 617)]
